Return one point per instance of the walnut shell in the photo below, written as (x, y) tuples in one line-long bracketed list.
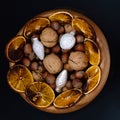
[(78, 60), (49, 37), (52, 63)]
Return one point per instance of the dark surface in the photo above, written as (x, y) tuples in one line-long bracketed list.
[(105, 13)]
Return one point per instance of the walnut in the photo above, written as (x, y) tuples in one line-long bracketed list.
[(49, 37), (52, 63), (78, 60)]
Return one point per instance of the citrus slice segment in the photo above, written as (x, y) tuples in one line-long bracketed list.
[(40, 94), (14, 49), (67, 98), (35, 26), (81, 25), (62, 17), (93, 75), (19, 77), (92, 51)]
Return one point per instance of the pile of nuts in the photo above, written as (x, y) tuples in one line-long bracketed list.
[(57, 56)]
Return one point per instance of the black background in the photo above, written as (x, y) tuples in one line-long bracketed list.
[(105, 13)]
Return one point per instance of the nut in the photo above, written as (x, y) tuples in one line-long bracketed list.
[(53, 85), (64, 89), (34, 66), (78, 60), (68, 28), (64, 57), (79, 38), (80, 47), (61, 30), (79, 74), (44, 74), (69, 84), (41, 68), (55, 25), (32, 56), (37, 76), (67, 67), (26, 61), (65, 51), (52, 63), (72, 76), (49, 37), (77, 83), (56, 49), (47, 50), (27, 48), (50, 79)]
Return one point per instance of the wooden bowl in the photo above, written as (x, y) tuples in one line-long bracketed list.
[(104, 64)]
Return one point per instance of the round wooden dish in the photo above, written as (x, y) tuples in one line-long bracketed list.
[(104, 64)]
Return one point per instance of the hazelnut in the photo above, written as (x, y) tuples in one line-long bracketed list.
[(77, 83), (40, 63), (49, 37), (79, 38), (55, 25), (79, 74), (32, 56), (52, 63), (69, 84), (27, 48), (64, 57), (67, 67), (65, 51), (44, 74), (34, 66), (37, 76), (78, 60), (50, 79), (72, 76), (56, 49), (80, 47), (68, 28), (64, 89), (47, 50), (53, 85), (26, 61), (61, 30), (41, 68)]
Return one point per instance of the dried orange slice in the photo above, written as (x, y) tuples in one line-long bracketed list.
[(81, 25), (14, 49), (92, 51), (35, 26), (62, 17), (67, 98), (40, 94), (93, 75), (19, 77)]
